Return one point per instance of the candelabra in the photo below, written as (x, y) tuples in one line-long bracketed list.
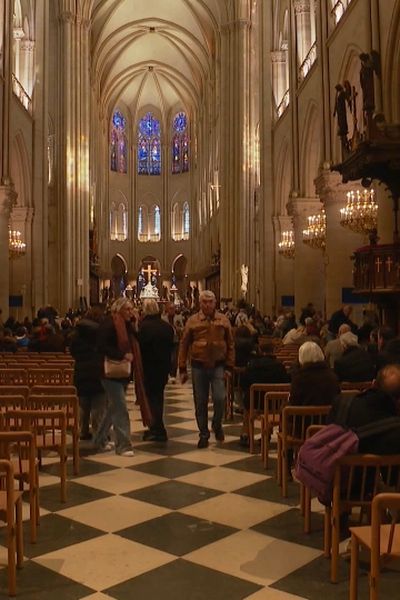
[(16, 246), (315, 233), (286, 245), (361, 212)]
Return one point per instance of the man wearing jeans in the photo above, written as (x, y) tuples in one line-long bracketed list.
[(208, 337)]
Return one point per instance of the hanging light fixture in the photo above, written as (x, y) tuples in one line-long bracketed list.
[(286, 245), (16, 246), (361, 212), (315, 233)]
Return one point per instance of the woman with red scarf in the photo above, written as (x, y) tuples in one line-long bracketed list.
[(117, 341)]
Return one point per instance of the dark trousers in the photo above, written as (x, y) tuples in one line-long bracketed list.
[(174, 359), (155, 395)]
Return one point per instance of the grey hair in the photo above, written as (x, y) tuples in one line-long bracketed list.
[(120, 303), (348, 339), (150, 307), (310, 352), (207, 295)]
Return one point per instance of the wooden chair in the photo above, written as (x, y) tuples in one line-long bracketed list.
[(13, 377), (19, 447), (369, 471), (257, 392), (50, 430), (53, 390), (68, 376), (45, 377), (70, 405), (11, 514), (360, 386), (228, 395), (12, 403), (305, 492), (273, 405), (14, 390), (383, 542), (295, 420)]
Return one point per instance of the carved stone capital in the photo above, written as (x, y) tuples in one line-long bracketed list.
[(279, 56), (67, 16), (18, 33), (303, 207), (330, 188), (28, 45), (301, 6)]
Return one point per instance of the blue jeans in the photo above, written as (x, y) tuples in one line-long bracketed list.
[(116, 415), (92, 408), (202, 378)]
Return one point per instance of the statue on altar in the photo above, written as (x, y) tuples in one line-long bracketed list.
[(150, 290)]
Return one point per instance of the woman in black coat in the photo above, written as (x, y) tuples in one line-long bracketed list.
[(314, 383), (88, 371)]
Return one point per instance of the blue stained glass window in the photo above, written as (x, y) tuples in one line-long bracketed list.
[(149, 146), (186, 219), (180, 144), (118, 144)]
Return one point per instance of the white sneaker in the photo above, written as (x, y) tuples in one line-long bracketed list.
[(127, 453)]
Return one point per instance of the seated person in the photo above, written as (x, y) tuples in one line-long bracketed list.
[(261, 369), (8, 343), (314, 383), (334, 349), (245, 346), (355, 364)]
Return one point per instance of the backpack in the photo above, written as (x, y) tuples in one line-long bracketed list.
[(317, 457)]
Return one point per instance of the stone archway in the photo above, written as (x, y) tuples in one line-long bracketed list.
[(179, 265)]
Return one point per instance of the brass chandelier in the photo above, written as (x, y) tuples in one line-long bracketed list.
[(361, 212), (286, 245), (315, 233), (16, 246)]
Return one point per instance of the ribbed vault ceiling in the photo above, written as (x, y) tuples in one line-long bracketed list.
[(155, 52)]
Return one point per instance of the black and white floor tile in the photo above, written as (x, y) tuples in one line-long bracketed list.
[(176, 522)]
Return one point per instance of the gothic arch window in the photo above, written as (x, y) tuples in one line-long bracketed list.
[(118, 222), (143, 224), (155, 234), (149, 146), (175, 223), (180, 144), (118, 143), (186, 221)]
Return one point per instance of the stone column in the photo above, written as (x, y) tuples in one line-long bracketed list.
[(7, 193), (235, 190), (284, 267), (303, 28), (18, 36), (309, 275), (74, 153), (340, 241)]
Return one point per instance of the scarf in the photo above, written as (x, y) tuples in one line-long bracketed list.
[(130, 344)]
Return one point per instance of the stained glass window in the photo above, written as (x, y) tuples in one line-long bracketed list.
[(157, 221), (186, 221), (180, 144), (118, 144), (149, 146), (140, 222)]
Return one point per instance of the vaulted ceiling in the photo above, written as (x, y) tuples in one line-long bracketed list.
[(157, 52)]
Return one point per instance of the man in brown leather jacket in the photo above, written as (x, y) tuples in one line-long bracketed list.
[(208, 337)]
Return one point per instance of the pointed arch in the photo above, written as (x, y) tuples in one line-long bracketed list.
[(175, 222), (118, 143), (283, 178), (186, 221), (149, 145)]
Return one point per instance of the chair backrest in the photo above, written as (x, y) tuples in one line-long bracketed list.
[(67, 403), (381, 505), (258, 391), (45, 377), (53, 390), (360, 386), (17, 444), (14, 390), (274, 402), (12, 402), (359, 477), (49, 426), (7, 483), (296, 419), (13, 377)]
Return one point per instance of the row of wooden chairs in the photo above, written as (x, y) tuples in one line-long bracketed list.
[(11, 514), (36, 376)]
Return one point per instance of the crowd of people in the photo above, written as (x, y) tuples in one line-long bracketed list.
[(158, 338)]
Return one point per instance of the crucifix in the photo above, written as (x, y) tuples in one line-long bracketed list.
[(378, 263), (389, 263), (149, 272)]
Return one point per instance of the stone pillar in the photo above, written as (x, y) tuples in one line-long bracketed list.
[(7, 199), (309, 272), (303, 28), (340, 241), (284, 267), (74, 153), (235, 190), (18, 36)]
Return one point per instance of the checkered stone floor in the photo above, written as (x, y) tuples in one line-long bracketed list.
[(175, 522)]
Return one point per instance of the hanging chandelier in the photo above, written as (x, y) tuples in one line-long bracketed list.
[(286, 245), (315, 233), (16, 246), (361, 212)]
